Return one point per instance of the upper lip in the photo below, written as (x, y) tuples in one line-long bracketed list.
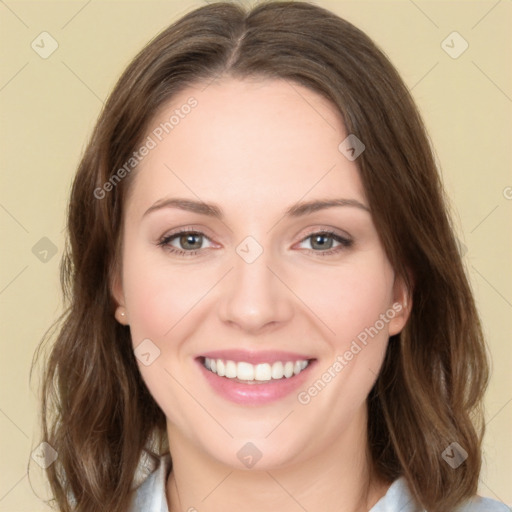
[(255, 357)]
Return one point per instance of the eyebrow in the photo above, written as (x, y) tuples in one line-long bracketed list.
[(212, 210)]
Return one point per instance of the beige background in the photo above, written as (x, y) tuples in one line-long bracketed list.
[(48, 108)]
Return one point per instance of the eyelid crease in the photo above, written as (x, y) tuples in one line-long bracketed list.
[(310, 231)]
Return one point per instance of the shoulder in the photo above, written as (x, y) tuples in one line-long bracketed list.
[(149, 483), (479, 504), (399, 498)]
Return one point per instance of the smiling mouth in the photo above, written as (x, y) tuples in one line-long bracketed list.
[(248, 373)]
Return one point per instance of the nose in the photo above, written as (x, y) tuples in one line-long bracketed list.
[(254, 295)]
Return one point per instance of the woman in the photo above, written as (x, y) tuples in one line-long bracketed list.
[(316, 345)]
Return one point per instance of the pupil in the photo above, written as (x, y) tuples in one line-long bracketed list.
[(319, 237), (187, 238)]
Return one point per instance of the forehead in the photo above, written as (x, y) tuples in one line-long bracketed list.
[(258, 142)]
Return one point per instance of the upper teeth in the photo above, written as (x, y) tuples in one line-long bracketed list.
[(248, 371)]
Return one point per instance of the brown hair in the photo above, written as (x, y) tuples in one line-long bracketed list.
[(96, 410)]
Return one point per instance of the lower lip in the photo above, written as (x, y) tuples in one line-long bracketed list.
[(254, 393)]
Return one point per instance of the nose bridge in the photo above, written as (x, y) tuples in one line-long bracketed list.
[(254, 296)]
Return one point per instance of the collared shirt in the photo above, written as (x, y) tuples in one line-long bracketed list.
[(149, 492)]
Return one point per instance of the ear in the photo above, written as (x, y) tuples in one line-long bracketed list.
[(402, 304), (116, 289)]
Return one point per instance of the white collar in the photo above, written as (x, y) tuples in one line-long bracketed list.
[(150, 480)]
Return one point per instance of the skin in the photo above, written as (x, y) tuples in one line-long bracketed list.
[(256, 148)]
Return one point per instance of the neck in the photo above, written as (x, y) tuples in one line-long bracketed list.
[(338, 479)]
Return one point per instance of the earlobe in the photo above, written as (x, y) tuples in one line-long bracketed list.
[(121, 315)]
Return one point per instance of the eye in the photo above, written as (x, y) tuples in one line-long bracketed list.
[(191, 241), (324, 240)]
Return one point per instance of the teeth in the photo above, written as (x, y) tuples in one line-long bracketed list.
[(245, 371), (277, 371), (221, 368), (288, 369), (231, 370), (262, 372), (254, 372)]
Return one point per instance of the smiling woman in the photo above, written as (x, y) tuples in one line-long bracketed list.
[(273, 296)]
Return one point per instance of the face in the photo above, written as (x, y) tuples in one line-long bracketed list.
[(247, 281)]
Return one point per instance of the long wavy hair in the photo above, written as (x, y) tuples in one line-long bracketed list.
[(96, 410)]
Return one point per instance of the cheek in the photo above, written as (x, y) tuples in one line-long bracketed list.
[(158, 296), (342, 300), (349, 298)]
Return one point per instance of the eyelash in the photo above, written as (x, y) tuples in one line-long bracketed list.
[(345, 242)]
